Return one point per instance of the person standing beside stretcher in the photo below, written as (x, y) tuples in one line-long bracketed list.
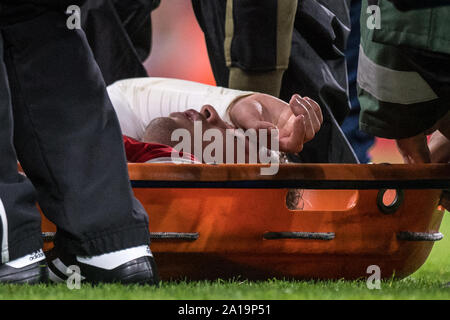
[(282, 48), (404, 78), (57, 120)]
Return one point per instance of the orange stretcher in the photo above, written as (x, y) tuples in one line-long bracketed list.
[(229, 221)]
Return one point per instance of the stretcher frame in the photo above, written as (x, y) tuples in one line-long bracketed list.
[(229, 221)]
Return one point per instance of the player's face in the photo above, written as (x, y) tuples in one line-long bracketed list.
[(208, 116), (206, 119), (160, 130)]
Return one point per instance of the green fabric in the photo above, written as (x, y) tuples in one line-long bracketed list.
[(427, 29), (381, 46), (398, 121)]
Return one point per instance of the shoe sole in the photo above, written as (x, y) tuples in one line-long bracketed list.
[(140, 271), (32, 276)]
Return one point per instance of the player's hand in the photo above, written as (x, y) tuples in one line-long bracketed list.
[(414, 149), (297, 122)]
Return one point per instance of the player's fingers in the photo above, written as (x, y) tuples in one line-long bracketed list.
[(265, 129), (295, 105), (299, 106), (294, 142), (312, 115), (317, 109)]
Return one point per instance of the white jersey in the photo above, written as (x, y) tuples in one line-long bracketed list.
[(139, 101)]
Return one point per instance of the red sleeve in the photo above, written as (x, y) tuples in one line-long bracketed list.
[(140, 152)]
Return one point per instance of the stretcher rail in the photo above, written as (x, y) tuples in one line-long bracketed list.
[(305, 176)]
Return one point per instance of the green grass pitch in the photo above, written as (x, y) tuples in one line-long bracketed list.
[(429, 282)]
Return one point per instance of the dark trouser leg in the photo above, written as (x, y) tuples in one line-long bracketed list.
[(316, 68), (112, 32), (68, 138), (20, 223)]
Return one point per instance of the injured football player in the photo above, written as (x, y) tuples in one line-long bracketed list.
[(214, 124), (155, 113)]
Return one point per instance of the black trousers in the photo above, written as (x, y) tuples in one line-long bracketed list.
[(119, 34), (57, 120)]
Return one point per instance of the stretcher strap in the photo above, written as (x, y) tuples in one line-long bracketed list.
[(174, 236), (419, 236), (402, 236), (179, 236)]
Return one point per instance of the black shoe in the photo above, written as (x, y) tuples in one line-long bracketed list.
[(34, 273), (142, 270)]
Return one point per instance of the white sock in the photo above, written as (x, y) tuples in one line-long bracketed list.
[(112, 260), (27, 260)]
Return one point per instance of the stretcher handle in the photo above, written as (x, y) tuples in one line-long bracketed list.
[(299, 235), (394, 206), (419, 236)]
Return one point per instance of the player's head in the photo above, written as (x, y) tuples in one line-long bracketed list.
[(161, 130)]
